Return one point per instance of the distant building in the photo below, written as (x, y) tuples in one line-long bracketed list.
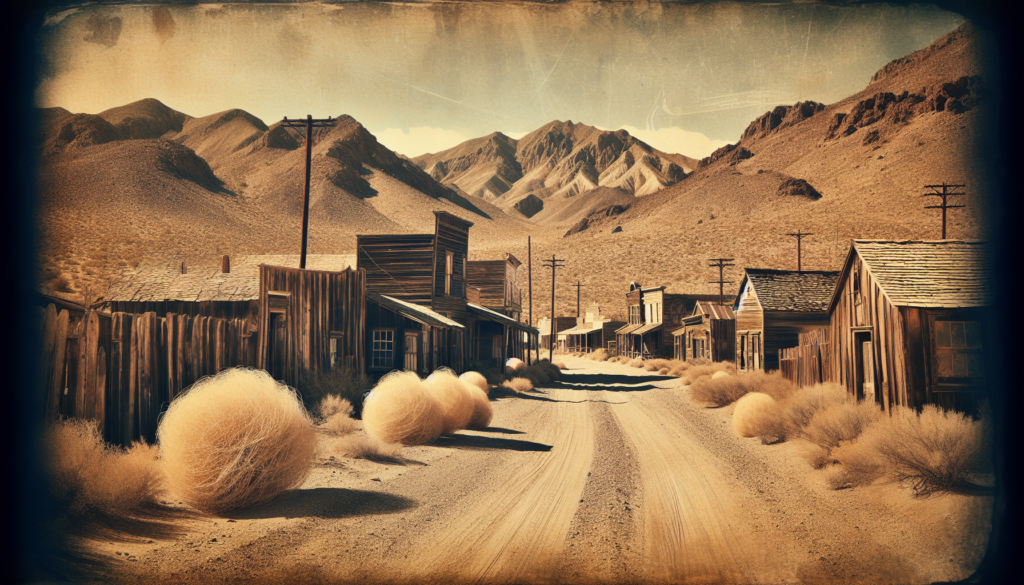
[(709, 333), (592, 331), (910, 323), (773, 308), (561, 324), (653, 315)]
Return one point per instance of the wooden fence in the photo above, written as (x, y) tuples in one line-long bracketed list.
[(123, 369), (807, 363)]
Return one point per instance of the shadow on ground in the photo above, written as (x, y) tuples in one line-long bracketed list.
[(501, 430), (326, 503), (474, 442)]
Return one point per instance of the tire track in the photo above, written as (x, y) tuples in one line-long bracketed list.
[(518, 533)]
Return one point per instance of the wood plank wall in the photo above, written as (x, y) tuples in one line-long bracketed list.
[(319, 303), (782, 329), (400, 266), (489, 276), (123, 369)]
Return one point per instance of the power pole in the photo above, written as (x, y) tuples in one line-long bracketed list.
[(799, 237), (578, 286), (309, 123), (945, 194), (720, 263), (553, 264), (529, 279)]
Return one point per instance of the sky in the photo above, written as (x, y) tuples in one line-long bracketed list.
[(685, 78)]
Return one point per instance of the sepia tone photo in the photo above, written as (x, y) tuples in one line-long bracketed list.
[(289, 330)]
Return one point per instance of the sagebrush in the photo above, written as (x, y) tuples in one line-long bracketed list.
[(340, 381)]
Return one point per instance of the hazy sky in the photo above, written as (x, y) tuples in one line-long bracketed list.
[(424, 77)]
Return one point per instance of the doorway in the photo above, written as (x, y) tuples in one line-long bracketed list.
[(864, 371), (412, 347)]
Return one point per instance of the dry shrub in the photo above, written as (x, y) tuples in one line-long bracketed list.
[(802, 404), (514, 365), (839, 422), (719, 392), (678, 368), (599, 355), (860, 461), (663, 372), (759, 415), (543, 372), (399, 409), (935, 451), (333, 404), (494, 376), (698, 371), (482, 412), (635, 363), (518, 385), (338, 424), (713, 385), (88, 479), (236, 439), (816, 455), (561, 365), (719, 375), (476, 379), (700, 361), (451, 395), (362, 446), (340, 381)]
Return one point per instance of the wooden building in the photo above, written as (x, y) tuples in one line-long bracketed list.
[(498, 283), (773, 308), (310, 320), (544, 327), (910, 322), (494, 338), (592, 331), (709, 333), (653, 315), (405, 336)]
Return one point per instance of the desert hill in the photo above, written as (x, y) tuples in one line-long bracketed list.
[(851, 169), (557, 161)]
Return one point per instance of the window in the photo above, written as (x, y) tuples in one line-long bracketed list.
[(957, 353), (383, 348), (855, 275), (448, 270), (334, 347)]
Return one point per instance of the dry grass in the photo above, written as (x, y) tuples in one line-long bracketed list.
[(400, 410), (482, 411), (635, 363), (362, 446), (514, 365), (697, 371), (339, 424), (343, 382), (518, 385), (711, 389), (814, 454), (561, 365), (453, 399), (599, 355), (89, 479), (333, 404), (804, 403), (663, 372), (543, 372), (759, 415), (235, 440), (843, 421), (476, 379)]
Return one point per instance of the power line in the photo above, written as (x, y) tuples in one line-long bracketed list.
[(945, 194), (720, 263), (553, 264), (309, 123), (799, 237)]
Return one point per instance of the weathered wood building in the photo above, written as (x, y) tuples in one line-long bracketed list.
[(494, 328), (405, 336), (653, 315), (561, 324), (708, 333), (498, 283), (592, 331), (428, 270), (773, 308), (910, 322)]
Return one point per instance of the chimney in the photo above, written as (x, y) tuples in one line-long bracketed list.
[(183, 271), (225, 264)]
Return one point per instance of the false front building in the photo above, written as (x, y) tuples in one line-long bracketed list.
[(653, 314), (592, 332)]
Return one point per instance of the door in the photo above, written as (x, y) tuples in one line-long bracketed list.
[(412, 346), (864, 380), (496, 347), (755, 351), (278, 345), (743, 352)]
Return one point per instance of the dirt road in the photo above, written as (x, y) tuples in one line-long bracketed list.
[(609, 475)]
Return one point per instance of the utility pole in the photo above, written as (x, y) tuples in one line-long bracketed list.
[(578, 286), (799, 237), (553, 264), (945, 194), (529, 279), (309, 123), (720, 263)]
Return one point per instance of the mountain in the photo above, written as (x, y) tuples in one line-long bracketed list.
[(559, 160)]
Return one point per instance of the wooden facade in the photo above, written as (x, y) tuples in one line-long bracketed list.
[(405, 336), (708, 333), (773, 308), (544, 328), (653, 316), (592, 332), (310, 320), (910, 322), (494, 338), (498, 283)]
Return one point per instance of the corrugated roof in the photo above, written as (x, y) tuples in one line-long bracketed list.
[(494, 316), (413, 311), (788, 290), (160, 278), (931, 274), (713, 310)]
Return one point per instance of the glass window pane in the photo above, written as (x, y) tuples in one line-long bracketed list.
[(944, 365), (973, 334), (942, 334), (959, 336), (974, 368), (959, 365)]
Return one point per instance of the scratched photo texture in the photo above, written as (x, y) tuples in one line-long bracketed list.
[(432, 83)]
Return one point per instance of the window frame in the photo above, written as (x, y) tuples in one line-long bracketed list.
[(977, 351), (449, 269), (374, 350)]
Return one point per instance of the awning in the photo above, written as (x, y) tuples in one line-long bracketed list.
[(503, 319), (583, 329), (680, 331), (648, 328), (417, 313), (628, 329)]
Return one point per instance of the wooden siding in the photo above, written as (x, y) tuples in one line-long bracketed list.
[(452, 235), (320, 304), (749, 317), (806, 364), (782, 329), (400, 266), (490, 277), (218, 309)]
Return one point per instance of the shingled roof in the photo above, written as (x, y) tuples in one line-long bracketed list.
[(160, 278), (929, 274), (808, 291), (713, 310)]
